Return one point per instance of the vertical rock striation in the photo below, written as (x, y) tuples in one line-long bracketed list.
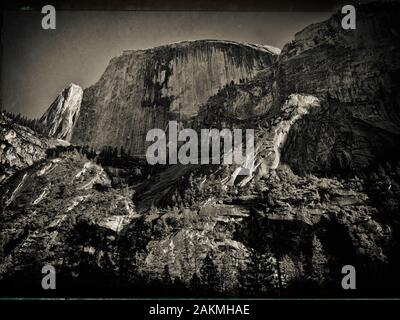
[(143, 89), (59, 119)]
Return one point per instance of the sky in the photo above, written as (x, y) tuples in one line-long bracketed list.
[(37, 64)]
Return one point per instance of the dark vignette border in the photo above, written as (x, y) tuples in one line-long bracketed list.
[(182, 5)]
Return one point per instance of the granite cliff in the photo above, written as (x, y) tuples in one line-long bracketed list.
[(59, 119), (356, 75), (143, 89)]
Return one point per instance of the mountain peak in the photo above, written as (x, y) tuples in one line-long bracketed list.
[(73, 86), (60, 117)]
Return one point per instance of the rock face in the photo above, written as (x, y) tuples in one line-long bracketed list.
[(143, 89), (240, 102), (271, 128), (348, 65), (20, 147), (59, 120), (272, 140), (356, 74)]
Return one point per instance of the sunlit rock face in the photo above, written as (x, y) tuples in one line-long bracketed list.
[(272, 139), (356, 75), (60, 118), (144, 89)]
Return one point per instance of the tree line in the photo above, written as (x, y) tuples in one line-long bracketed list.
[(33, 124)]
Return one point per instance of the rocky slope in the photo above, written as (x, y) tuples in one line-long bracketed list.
[(93, 232), (20, 147), (64, 210), (81, 218)]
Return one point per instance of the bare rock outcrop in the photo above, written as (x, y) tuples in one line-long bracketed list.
[(20, 147), (59, 119), (355, 73)]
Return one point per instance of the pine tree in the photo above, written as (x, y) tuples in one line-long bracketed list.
[(319, 262), (195, 285), (226, 275), (166, 277), (209, 274), (257, 276)]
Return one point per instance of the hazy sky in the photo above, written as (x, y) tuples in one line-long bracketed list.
[(37, 64)]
